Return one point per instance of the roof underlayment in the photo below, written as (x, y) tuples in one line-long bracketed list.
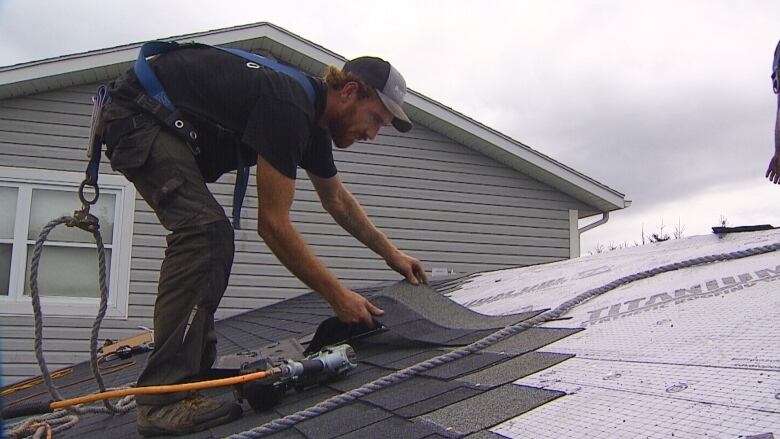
[(693, 352), (688, 353)]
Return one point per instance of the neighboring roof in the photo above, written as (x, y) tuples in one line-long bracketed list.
[(101, 65), (687, 353)]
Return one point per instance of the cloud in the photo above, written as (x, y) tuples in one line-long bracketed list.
[(662, 100), (749, 202)]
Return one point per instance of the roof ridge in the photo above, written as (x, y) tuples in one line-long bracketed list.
[(135, 44)]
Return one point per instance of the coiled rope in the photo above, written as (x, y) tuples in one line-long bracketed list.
[(64, 419), (554, 314)]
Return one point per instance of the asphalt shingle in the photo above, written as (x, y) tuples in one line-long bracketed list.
[(392, 428), (514, 369), (530, 340), (343, 420), (490, 408), (437, 402), (465, 365), (361, 375), (444, 312), (408, 392)]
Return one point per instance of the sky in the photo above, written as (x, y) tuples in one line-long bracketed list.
[(668, 102)]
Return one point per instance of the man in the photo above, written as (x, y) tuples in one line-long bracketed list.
[(241, 112), (773, 171)]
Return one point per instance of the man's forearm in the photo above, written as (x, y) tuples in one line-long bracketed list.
[(291, 250), (352, 218)]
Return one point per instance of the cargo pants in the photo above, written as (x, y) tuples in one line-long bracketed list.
[(199, 254)]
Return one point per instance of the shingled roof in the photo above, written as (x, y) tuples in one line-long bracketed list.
[(689, 353)]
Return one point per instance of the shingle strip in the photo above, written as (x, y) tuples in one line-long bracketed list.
[(437, 402), (465, 365), (342, 420), (530, 340), (392, 428), (444, 311), (514, 369), (408, 392), (490, 408)]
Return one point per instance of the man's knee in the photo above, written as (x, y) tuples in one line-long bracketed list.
[(221, 248), (221, 237)]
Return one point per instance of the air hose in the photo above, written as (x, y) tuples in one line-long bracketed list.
[(48, 406), (554, 314)]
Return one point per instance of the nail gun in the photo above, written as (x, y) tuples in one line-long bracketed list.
[(329, 364)]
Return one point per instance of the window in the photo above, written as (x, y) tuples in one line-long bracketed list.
[(68, 269)]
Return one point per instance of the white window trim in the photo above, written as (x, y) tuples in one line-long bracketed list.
[(119, 283)]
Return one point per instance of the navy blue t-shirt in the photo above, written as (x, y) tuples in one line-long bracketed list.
[(235, 108)]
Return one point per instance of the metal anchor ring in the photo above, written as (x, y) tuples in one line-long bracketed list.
[(83, 198)]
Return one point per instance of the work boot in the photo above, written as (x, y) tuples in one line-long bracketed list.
[(189, 415)]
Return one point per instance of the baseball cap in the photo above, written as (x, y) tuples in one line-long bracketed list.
[(389, 85)]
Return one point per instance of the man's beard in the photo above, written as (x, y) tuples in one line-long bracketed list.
[(340, 129)]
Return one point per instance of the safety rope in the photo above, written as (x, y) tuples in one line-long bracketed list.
[(64, 419), (554, 314)]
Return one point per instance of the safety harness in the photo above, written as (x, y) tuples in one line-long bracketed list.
[(157, 103)]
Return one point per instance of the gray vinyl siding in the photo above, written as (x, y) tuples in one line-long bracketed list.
[(437, 200)]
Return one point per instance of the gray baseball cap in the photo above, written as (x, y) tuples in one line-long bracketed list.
[(389, 85)]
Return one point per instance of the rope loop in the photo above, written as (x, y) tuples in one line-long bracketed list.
[(46, 423)]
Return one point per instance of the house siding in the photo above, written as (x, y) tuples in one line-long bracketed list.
[(437, 200)]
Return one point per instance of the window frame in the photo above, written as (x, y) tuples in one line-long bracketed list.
[(26, 180)]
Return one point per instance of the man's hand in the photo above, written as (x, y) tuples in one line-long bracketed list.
[(351, 307), (773, 172), (411, 268)]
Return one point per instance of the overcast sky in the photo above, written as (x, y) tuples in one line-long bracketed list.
[(668, 102)]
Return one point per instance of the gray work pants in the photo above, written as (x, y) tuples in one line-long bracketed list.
[(195, 271)]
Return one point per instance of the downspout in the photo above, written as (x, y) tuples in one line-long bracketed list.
[(575, 233), (603, 220)]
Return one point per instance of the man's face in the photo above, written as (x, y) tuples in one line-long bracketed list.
[(360, 120)]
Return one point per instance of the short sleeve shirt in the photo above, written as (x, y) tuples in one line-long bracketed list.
[(242, 109)]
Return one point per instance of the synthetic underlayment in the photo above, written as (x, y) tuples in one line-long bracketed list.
[(690, 353)]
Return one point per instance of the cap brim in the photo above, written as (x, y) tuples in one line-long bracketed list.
[(401, 121)]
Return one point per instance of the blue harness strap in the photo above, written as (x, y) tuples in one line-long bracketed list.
[(173, 118), (292, 72), (146, 75)]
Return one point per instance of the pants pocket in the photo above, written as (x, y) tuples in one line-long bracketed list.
[(167, 191), (132, 149)]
